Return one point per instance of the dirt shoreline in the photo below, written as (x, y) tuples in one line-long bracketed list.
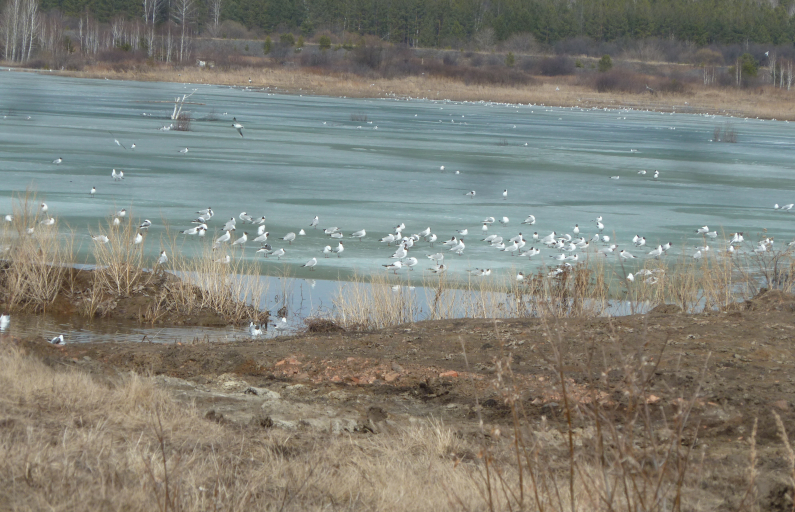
[(762, 102), (737, 364)]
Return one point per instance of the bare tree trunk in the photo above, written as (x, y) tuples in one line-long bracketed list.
[(215, 14), (184, 16), (32, 13)]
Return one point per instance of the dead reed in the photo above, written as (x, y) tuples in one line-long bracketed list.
[(35, 257)]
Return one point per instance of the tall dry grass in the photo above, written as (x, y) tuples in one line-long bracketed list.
[(595, 287), (35, 257), (69, 442)]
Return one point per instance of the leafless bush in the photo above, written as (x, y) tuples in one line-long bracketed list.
[(555, 66), (359, 118), (619, 80), (183, 122)]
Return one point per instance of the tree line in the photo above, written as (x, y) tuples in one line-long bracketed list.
[(451, 23)]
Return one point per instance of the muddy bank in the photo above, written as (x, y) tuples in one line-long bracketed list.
[(732, 368), (153, 298)]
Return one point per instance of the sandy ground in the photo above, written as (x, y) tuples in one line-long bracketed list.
[(737, 365)]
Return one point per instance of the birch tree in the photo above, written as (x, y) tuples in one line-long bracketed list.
[(184, 11)]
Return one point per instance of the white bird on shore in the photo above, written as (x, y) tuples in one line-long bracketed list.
[(281, 325), (630, 278), (388, 239), (438, 269), (530, 220), (289, 237), (505, 194), (133, 146), (263, 237), (599, 225), (310, 264), (48, 221), (326, 251), (504, 221), (697, 255), (424, 233), (301, 232), (626, 255), (438, 257), (314, 222), (138, 239), (359, 234), (254, 330), (463, 232), (183, 151), (5, 319), (489, 220), (93, 191), (458, 249), (241, 241), (471, 193), (656, 174), (121, 213), (193, 231), (615, 177), (432, 239), (117, 176), (410, 262), (331, 230), (225, 260), (9, 218), (223, 238), (400, 253), (206, 211), (395, 266), (145, 224), (58, 340), (237, 126), (245, 218), (101, 239), (44, 207), (339, 249), (702, 230), (641, 172), (163, 259), (58, 161), (260, 221), (656, 253), (337, 235), (279, 253)]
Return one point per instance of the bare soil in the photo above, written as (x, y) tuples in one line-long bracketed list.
[(738, 364)]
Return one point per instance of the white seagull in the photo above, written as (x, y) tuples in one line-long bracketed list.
[(394, 266), (310, 264), (339, 249), (289, 237), (237, 126), (58, 340), (58, 161), (471, 193), (163, 259), (93, 191), (358, 234), (241, 241)]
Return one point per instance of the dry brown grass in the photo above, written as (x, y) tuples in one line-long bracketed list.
[(69, 442), (766, 102), (36, 263)]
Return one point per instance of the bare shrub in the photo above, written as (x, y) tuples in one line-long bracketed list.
[(619, 80), (555, 66), (359, 118), (183, 122)]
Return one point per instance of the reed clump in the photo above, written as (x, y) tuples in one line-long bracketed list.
[(718, 280), (35, 257)]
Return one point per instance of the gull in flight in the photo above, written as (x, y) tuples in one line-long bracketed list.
[(163, 259), (237, 126), (289, 237), (117, 141), (310, 264)]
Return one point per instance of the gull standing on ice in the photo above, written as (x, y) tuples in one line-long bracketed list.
[(471, 193), (310, 264), (358, 234), (5, 319), (138, 239), (339, 249), (314, 222), (326, 251), (279, 253), (58, 161), (505, 194), (145, 224), (93, 191), (393, 266), (230, 225), (289, 237), (241, 241), (530, 220), (163, 259)]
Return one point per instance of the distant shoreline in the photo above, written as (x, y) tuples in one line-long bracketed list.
[(762, 102)]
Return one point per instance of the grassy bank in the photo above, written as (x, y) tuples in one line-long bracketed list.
[(565, 91)]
